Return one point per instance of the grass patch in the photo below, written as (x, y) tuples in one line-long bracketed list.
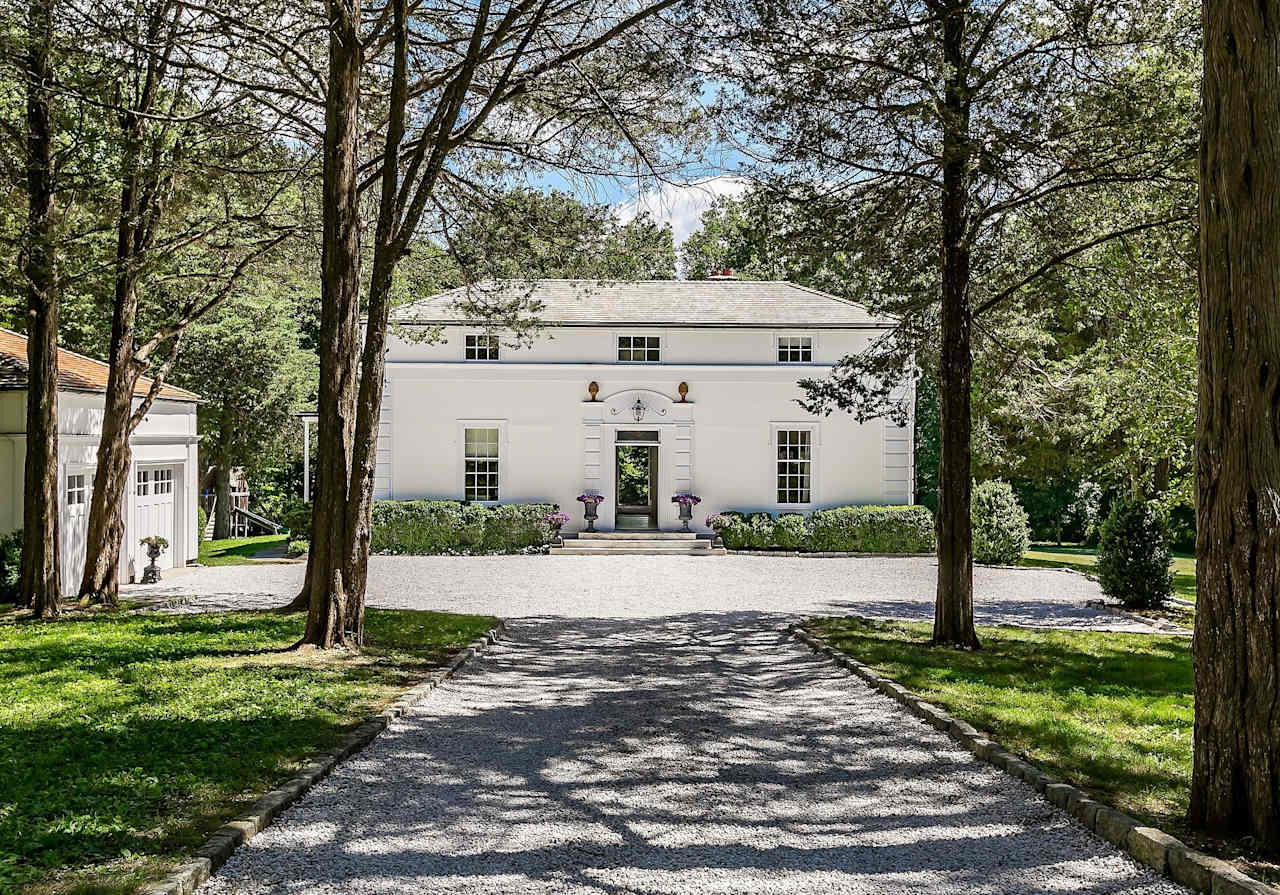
[(232, 551), (1085, 559), (124, 740), (1110, 713)]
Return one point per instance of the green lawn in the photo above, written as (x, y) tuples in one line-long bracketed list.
[(124, 740), (230, 551), (1085, 559), (1111, 713)]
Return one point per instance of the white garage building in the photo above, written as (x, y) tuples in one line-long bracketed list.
[(162, 499), (637, 391)]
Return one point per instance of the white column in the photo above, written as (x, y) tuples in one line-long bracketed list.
[(306, 459)]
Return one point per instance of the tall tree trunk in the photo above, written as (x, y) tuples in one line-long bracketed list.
[(388, 249), (326, 587), (41, 579), (100, 583), (953, 613), (1235, 781)]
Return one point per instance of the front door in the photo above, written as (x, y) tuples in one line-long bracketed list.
[(636, 474)]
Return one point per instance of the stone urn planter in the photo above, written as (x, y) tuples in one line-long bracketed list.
[(686, 503), (590, 505), (555, 521), (155, 546)]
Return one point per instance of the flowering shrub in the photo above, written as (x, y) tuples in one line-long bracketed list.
[(687, 500), (556, 519), (719, 521), (591, 498)]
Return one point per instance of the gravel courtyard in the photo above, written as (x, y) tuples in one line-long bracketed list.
[(703, 752), (655, 586)]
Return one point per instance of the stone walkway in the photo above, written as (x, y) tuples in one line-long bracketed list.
[(701, 752)]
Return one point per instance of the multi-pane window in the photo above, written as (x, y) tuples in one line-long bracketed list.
[(143, 485), (639, 349), (162, 481), (480, 464), (76, 490), (795, 460), (795, 349), (481, 346)]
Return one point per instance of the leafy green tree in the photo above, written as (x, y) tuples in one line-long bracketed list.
[(527, 234), (933, 136), (245, 360)]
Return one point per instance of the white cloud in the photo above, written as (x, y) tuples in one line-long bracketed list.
[(681, 205)]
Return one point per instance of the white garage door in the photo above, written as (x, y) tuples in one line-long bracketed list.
[(154, 508)]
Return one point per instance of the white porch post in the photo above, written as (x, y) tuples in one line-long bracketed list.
[(306, 459)]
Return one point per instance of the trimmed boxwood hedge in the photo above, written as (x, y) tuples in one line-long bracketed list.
[(419, 527), (860, 529)]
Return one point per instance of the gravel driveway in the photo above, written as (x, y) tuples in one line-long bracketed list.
[(654, 586), (702, 752)]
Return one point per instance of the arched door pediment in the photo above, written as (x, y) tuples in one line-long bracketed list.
[(638, 406)]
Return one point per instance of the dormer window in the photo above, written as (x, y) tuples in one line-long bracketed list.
[(481, 346), (795, 349), (639, 349)]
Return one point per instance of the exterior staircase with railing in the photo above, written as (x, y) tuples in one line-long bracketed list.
[(631, 543)]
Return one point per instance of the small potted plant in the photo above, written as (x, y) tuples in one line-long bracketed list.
[(555, 521), (589, 504), (155, 545), (687, 502)]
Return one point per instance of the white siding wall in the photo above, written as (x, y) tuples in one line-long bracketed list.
[(166, 438), (556, 444)]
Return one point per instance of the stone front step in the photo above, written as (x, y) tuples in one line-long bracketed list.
[(638, 549), (633, 536), (630, 543)]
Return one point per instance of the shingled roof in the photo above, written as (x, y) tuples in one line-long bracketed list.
[(692, 303), (75, 371)]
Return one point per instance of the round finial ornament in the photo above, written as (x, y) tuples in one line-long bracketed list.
[(593, 388), (683, 389)]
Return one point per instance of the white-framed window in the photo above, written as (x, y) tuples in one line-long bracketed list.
[(481, 346), (640, 349), (795, 349), (142, 486), (480, 462), (794, 466), (162, 481), (77, 489)]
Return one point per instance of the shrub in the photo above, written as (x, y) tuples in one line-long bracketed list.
[(1001, 533), (202, 521), (759, 531), (471, 526), (415, 526), (511, 527), (872, 529), (790, 531), (1133, 555), (297, 547), (10, 566), (421, 527), (295, 515)]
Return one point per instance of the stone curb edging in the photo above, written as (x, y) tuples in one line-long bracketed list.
[(1160, 626), (226, 839), (1149, 846), (828, 554)]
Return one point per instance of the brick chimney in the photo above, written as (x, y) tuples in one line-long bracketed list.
[(725, 274)]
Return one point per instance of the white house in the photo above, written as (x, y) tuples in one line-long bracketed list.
[(164, 478), (636, 391)]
